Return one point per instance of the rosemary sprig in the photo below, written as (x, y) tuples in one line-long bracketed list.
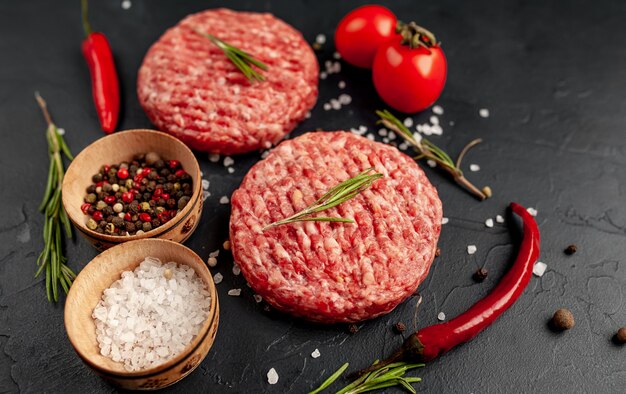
[(241, 59), (386, 376), (428, 150), (335, 196), (51, 258)]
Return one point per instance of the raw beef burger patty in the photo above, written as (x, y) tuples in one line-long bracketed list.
[(189, 88), (335, 272)]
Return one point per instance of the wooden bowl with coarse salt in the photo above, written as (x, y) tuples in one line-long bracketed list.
[(123, 146), (86, 293)]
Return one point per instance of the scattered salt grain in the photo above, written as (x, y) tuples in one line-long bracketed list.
[(474, 167), (234, 292), (403, 146), (434, 120), (316, 353), (205, 195), (532, 211), (335, 104), (327, 107), (230, 170), (441, 316), (265, 154), (337, 55), (323, 75), (214, 157), (205, 184), (370, 136), (431, 163), (212, 261), (436, 129), (228, 161), (499, 219), (391, 135), (320, 39), (408, 122), (438, 110), (257, 298), (539, 268), (272, 376), (489, 223), (382, 132), (417, 137), (341, 85), (236, 270), (483, 112), (444, 220), (214, 253), (224, 200), (60, 131), (217, 278), (307, 115), (471, 249), (126, 4), (345, 99), (151, 314)]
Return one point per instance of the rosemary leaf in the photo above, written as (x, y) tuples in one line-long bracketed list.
[(56, 222), (428, 150), (338, 194), (241, 59), (331, 379)]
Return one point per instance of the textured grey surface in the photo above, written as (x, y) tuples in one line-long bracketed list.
[(552, 74)]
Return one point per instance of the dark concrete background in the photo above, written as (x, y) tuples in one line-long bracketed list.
[(552, 74)]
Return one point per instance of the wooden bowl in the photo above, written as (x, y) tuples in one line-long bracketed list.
[(87, 291), (123, 146)]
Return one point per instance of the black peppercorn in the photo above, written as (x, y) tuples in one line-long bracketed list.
[(353, 328), (159, 164), (182, 202), (138, 224), (146, 196), (146, 227), (165, 173), (570, 250), (106, 187), (130, 227), (117, 221), (155, 223), (563, 319), (480, 275), (91, 189), (97, 178), (171, 203), (171, 178), (108, 211), (399, 327)]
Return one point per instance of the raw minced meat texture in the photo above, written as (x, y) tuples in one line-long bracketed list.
[(335, 272), (190, 89)]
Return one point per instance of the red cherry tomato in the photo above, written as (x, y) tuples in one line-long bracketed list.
[(362, 31), (409, 80)]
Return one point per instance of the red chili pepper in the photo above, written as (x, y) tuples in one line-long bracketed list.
[(104, 82), (430, 342)]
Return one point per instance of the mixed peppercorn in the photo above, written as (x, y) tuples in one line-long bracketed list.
[(137, 196)]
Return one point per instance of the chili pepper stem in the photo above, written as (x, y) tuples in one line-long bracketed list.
[(86, 25)]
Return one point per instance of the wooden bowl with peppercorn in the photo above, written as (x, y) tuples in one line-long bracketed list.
[(100, 276), (131, 185)]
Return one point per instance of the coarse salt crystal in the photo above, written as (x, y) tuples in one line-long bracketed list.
[(316, 353), (228, 161), (471, 249), (403, 146), (417, 137), (236, 269), (431, 163), (230, 170), (391, 135), (499, 219), (539, 268), (489, 222), (327, 107), (205, 195), (234, 292), (441, 316), (205, 184), (307, 115), (272, 376), (436, 129), (212, 261), (337, 55), (341, 85), (335, 104), (320, 39), (382, 132), (437, 109), (60, 131), (408, 122), (323, 75), (214, 157), (224, 200), (345, 99), (434, 120), (474, 167), (370, 136), (265, 154), (444, 220), (257, 298), (483, 112), (214, 253), (126, 4), (217, 278), (532, 211)]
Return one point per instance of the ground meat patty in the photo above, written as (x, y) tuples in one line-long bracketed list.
[(335, 272), (189, 88)]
